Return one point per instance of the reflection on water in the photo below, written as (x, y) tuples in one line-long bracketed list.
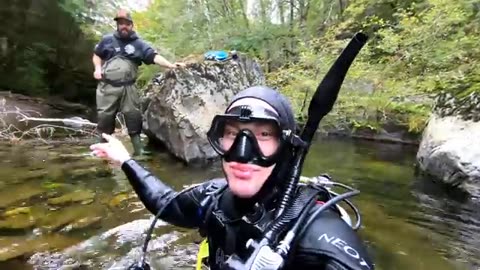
[(66, 208)]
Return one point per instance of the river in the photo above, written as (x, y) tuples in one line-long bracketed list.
[(62, 208)]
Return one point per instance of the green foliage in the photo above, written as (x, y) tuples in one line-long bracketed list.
[(146, 74), (417, 48), (44, 52), (414, 52)]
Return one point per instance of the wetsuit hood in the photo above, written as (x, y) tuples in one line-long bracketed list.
[(275, 99), (274, 184)]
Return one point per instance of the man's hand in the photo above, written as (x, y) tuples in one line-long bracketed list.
[(160, 60), (97, 74), (97, 63), (180, 64), (177, 65)]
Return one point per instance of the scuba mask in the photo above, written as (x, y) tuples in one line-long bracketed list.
[(247, 134)]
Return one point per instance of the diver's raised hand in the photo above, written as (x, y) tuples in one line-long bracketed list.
[(112, 150)]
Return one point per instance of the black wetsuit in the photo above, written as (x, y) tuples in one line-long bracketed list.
[(228, 222)]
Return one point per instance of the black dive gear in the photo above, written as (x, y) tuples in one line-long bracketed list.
[(262, 255), (208, 206), (245, 147)]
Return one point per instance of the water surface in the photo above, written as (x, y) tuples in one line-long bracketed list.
[(59, 207)]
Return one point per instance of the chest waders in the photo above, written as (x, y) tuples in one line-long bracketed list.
[(117, 93)]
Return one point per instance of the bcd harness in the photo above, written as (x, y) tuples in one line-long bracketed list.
[(226, 234), (119, 70)]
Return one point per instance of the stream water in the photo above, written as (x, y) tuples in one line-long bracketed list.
[(61, 209)]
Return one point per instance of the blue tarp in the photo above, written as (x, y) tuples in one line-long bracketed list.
[(216, 55)]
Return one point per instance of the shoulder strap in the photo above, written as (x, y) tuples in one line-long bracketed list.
[(208, 204)]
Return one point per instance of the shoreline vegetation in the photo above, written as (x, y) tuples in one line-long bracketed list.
[(419, 52)]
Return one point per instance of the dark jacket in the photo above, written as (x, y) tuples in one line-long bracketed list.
[(329, 243), (132, 47)]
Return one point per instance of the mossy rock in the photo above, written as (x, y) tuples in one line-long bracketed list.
[(16, 246), (76, 196), (82, 223), (467, 107), (19, 192), (17, 222), (59, 219), (120, 198), (17, 211)]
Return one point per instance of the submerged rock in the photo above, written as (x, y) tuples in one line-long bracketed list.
[(17, 246), (117, 247), (76, 196), (19, 192), (90, 172), (120, 198), (17, 222), (16, 211), (56, 220), (82, 223)]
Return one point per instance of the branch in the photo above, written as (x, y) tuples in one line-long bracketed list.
[(66, 121), (44, 131)]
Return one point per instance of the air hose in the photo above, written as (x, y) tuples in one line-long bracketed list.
[(284, 246), (291, 213), (142, 264)]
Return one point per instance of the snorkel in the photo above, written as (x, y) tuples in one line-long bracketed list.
[(262, 256)]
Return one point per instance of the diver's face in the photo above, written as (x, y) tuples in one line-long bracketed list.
[(124, 27), (246, 180)]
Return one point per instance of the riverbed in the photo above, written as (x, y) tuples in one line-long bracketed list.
[(61, 207)]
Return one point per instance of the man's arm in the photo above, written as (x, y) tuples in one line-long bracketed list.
[(161, 61), (97, 63), (99, 53), (150, 56)]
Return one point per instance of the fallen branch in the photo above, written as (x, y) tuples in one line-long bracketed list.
[(66, 121), (47, 128)]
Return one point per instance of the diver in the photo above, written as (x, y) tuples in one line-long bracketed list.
[(255, 140)]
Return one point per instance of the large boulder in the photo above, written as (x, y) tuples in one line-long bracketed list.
[(179, 104), (449, 150)]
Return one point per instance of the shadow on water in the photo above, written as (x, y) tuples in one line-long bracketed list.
[(59, 207)]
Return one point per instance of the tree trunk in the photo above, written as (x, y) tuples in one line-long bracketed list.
[(267, 44), (244, 13), (206, 12), (281, 11), (341, 5), (304, 6), (292, 26)]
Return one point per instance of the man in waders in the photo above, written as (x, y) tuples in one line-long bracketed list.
[(116, 60)]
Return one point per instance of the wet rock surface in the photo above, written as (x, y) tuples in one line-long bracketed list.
[(180, 104), (82, 196), (120, 247), (450, 153)]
